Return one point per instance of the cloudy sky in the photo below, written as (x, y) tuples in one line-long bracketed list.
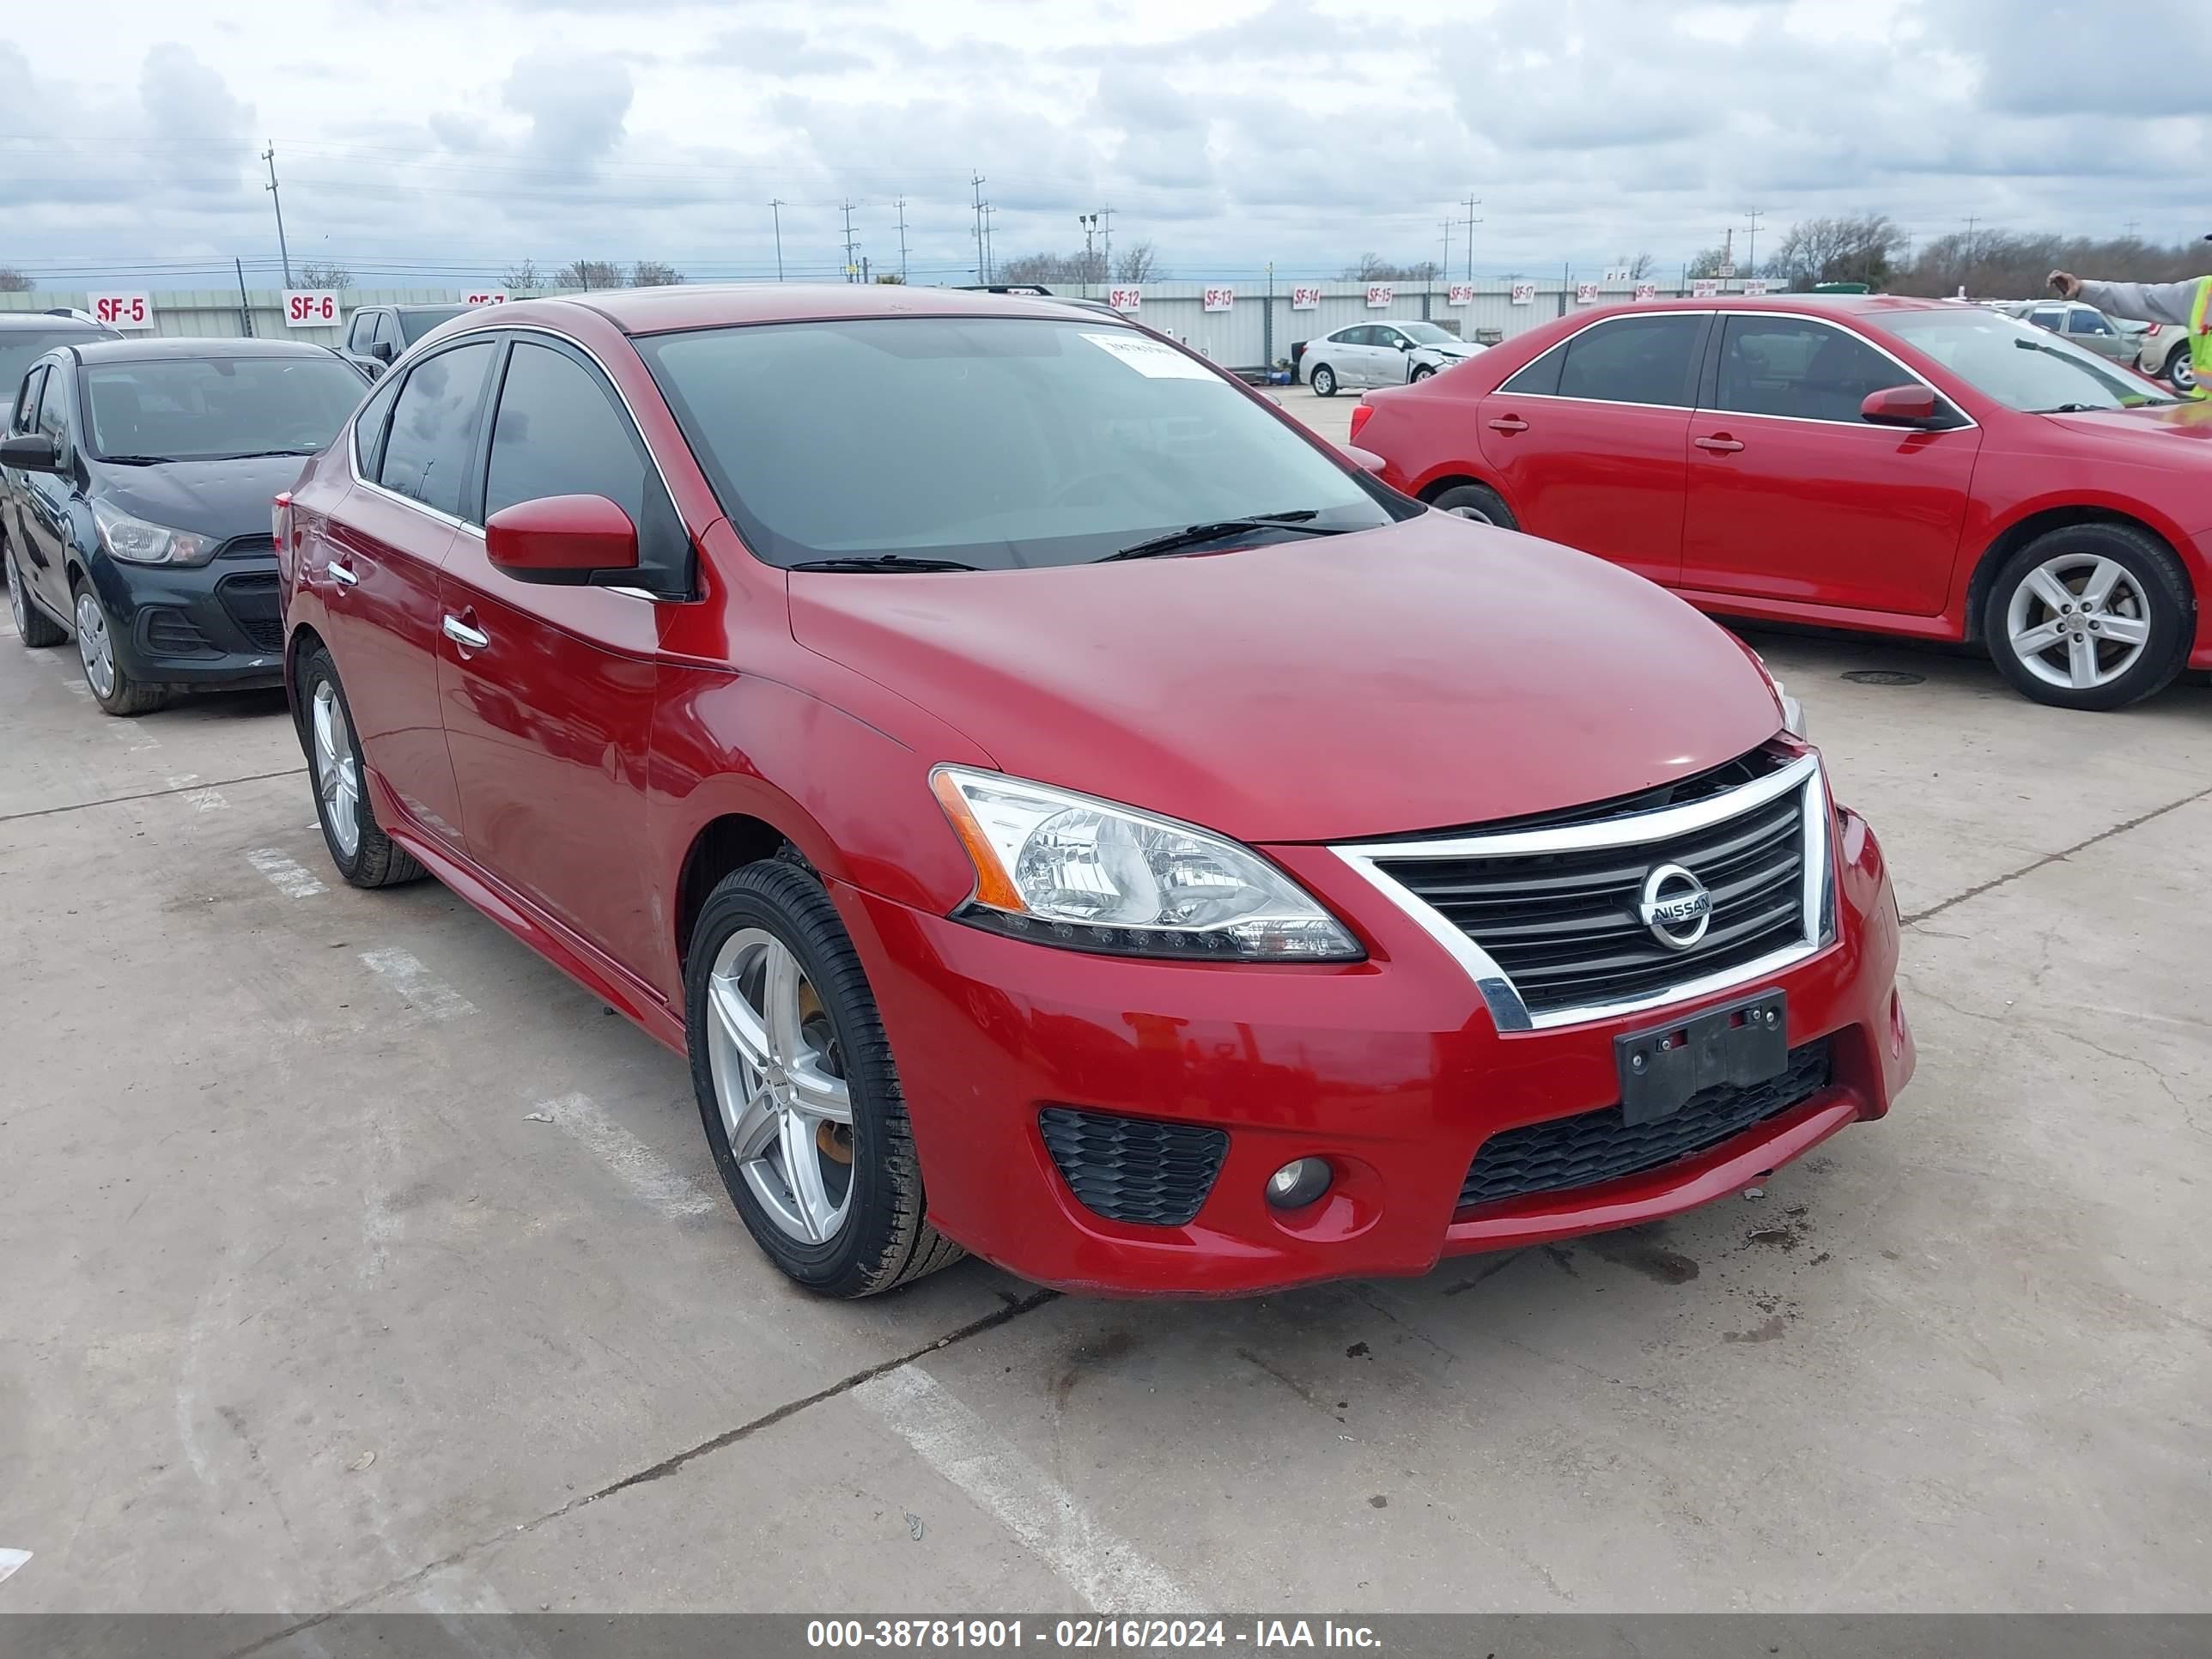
[(439, 140)]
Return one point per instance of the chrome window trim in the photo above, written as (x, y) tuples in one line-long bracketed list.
[(1597, 323), (1910, 374), (1510, 1014)]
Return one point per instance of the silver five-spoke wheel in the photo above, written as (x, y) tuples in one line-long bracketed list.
[(2079, 621), (15, 607), (337, 780), (780, 1082), (93, 646)]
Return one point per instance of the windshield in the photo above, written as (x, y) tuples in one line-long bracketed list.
[(183, 409), (1001, 443), (2021, 366), (1427, 333), (415, 323)]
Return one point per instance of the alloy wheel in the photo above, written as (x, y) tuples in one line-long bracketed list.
[(338, 779), (2079, 621), (1473, 513), (94, 648), (779, 1084), (15, 597), (2183, 373)]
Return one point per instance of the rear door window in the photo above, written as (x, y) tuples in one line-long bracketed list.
[(435, 423), (1633, 359)]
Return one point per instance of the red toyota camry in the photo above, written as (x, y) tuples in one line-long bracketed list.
[(1917, 467), (1062, 808)]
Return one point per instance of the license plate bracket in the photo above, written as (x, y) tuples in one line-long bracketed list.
[(1744, 1043)]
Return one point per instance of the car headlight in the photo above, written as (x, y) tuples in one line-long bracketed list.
[(1064, 869), (138, 542)]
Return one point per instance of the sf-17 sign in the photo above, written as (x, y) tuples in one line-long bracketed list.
[(1525, 293), (485, 296), (310, 307)]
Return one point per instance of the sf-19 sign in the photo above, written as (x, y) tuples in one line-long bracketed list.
[(124, 311), (310, 307)]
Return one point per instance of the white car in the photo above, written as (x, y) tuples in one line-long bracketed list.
[(1379, 353)]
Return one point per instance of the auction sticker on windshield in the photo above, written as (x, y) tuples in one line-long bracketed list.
[(1150, 358)]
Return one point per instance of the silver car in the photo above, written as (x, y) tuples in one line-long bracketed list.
[(2087, 326)]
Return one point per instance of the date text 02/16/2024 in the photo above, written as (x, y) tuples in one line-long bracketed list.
[(1084, 1634)]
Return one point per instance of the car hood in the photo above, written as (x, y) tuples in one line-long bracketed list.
[(1461, 349), (2187, 422), (1434, 673), (220, 499)]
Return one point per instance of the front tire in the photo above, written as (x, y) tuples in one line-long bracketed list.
[(111, 683), (2091, 617), (34, 629), (1422, 373), (1324, 380), (797, 1090), (364, 854)]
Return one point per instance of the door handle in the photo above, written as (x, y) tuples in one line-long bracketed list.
[(1509, 423), (1725, 444), (461, 633), (342, 574)]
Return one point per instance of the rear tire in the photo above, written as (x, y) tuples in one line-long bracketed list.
[(2091, 617), (1323, 380), (850, 1221), (364, 854), (1477, 502), (34, 629), (2180, 372)]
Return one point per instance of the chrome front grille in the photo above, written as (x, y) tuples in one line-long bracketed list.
[(1547, 918)]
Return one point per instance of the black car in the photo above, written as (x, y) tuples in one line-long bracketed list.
[(377, 334), (23, 335), (136, 480)]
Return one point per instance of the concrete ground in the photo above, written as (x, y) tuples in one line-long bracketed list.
[(353, 1258)]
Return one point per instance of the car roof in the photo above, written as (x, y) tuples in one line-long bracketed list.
[(664, 310), (163, 348), (1860, 305), (47, 320), (417, 304)]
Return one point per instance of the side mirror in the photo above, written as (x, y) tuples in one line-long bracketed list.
[(570, 540), (1366, 459), (382, 351), (30, 452), (1900, 405), (1404, 344)]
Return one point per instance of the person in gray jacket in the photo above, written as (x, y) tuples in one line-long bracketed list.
[(2183, 305)]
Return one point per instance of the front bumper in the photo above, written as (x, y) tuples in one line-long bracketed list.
[(215, 624), (1391, 1068)]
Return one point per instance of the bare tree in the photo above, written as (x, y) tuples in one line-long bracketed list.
[(1641, 266), (2011, 264), (1140, 262), (1859, 247), (1374, 268), (892, 277), (13, 281), (589, 273), (651, 273), (324, 274), (1707, 261), (523, 278)]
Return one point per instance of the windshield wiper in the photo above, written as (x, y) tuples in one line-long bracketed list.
[(258, 454), (883, 562), (2072, 408), (136, 460), (1197, 535)]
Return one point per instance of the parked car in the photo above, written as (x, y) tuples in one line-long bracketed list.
[(1915, 467), (2087, 326), (2162, 351), (23, 336), (135, 478), (815, 675), (1379, 354), (377, 334)]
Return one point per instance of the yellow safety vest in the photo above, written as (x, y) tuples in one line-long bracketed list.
[(2200, 338)]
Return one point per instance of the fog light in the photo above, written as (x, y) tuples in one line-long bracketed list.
[(1299, 1183)]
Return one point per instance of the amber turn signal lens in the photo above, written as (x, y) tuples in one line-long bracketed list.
[(993, 886)]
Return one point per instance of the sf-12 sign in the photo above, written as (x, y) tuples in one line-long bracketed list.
[(1585, 294), (124, 311), (1221, 299), (1462, 293), (310, 307), (1525, 293), (1305, 299), (485, 296), (1380, 294), (1126, 300)]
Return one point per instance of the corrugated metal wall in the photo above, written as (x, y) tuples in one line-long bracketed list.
[(1240, 337)]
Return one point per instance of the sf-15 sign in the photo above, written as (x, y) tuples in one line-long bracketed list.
[(310, 307)]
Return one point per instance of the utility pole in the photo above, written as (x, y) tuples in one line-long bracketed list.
[(2133, 226), (982, 268), (1473, 202), (1751, 245), (989, 210), (1106, 239), (1089, 223), (245, 305), (776, 208), (851, 265), (1446, 267), (901, 213), (270, 156)]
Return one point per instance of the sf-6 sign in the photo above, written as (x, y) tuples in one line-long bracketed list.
[(310, 307), (124, 311)]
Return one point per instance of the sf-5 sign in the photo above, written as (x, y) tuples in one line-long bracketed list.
[(310, 307), (124, 311)]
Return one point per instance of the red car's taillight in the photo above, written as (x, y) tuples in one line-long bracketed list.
[(1361, 413), (279, 522)]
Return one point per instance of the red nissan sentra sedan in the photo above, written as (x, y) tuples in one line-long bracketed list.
[(1916, 467), (1064, 809)]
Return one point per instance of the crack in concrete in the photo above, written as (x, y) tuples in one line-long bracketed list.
[(192, 788), (667, 1465), (2058, 857)]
